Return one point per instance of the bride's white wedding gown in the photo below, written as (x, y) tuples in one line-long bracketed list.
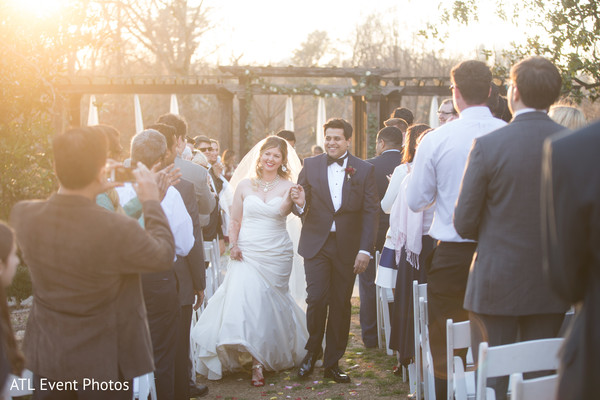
[(252, 312)]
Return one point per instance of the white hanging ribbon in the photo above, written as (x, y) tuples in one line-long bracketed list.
[(92, 112), (139, 122)]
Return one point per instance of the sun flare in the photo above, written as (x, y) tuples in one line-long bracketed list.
[(39, 8)]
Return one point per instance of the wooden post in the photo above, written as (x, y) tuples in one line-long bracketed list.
[(373, 124), (359, 111), (74, 110), (245, 104), (225, 100)]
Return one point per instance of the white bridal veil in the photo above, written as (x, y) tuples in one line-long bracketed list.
[(247, 169)]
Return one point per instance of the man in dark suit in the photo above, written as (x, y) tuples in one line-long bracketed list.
[(190, 274), (337, 200), (88, 318), (190, 171), (571, 222), (507, 298), (389, 156)]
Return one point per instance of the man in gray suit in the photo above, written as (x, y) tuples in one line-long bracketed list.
[(499, 206), (190, 171)]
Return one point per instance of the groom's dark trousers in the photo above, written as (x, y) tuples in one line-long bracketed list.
[(329, 283), (329, 256)]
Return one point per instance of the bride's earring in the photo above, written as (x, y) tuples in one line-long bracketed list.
[(283, 168)]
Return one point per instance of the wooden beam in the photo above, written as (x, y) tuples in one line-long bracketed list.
[(141, 88), (299, 72)]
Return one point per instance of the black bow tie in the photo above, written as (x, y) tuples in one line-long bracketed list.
[(340, 161)]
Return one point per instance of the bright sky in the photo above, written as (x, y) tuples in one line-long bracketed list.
[(267, 31)]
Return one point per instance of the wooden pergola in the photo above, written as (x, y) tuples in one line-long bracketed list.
[(375, 93)]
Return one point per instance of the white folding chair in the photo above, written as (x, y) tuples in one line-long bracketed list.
[(16, 386), (213, 256), (384, 296), (415, 379), (428, 374), (542, 388), (461, 378), (530, 356), (144, 386)]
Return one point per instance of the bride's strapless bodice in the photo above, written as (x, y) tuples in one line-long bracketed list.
[(262, 214)]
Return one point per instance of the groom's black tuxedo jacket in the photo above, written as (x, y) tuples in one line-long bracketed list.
[(355, 221)]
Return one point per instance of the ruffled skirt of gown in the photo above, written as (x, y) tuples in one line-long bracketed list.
[(252, 314)]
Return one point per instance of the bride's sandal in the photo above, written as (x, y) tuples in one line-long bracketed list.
[(257, 369)]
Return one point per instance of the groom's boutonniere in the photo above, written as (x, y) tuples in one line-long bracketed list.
[(349, 172)]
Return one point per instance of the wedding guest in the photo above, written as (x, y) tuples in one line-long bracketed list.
[(498, 104), (84, 263), (338, 235), (287, 135), (229, 163), (570, 210), (160, 289), (568, 116), (435, 182), (190, 274), (388, 150), (398, 123), (110, 198), (388, 267), (315, 150), (218, 183), (403, 113), (411, 246), (190, 171), (507, 298), (11, 358), (446, 112)]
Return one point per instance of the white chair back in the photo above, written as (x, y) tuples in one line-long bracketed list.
[(428, 374), (542, 388), (144, 386), (419, 290), (384, 296), (461, 378), (530, 356), (212, 254), (16, 386)]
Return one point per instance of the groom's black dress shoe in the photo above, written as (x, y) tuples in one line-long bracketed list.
[(337, 374), (308, 364)]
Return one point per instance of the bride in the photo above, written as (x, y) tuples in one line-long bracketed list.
[(252, 316)]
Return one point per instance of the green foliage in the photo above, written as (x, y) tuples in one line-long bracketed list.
[(570, 40)]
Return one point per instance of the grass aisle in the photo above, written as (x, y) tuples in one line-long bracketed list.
[(369, 369)]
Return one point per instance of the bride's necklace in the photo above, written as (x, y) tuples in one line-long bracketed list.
[(268, 185)]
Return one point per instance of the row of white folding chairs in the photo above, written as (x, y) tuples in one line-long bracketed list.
[(421, 377), (507, 360), (214, 278)]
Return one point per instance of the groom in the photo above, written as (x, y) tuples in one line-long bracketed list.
[(336, 197)]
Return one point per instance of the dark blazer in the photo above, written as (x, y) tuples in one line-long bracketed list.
[(384, 165), (190, 270), (499, 206), (356, 220), (198, 175), (88, 318), (571, 207)]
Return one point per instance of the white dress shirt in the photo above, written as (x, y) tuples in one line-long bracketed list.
[(335, 179), (439, 165), (173, 206)]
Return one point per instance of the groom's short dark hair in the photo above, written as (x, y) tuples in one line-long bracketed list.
[(339, 123), (538, 82)]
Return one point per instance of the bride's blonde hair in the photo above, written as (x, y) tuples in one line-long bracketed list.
[(271, 143)]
